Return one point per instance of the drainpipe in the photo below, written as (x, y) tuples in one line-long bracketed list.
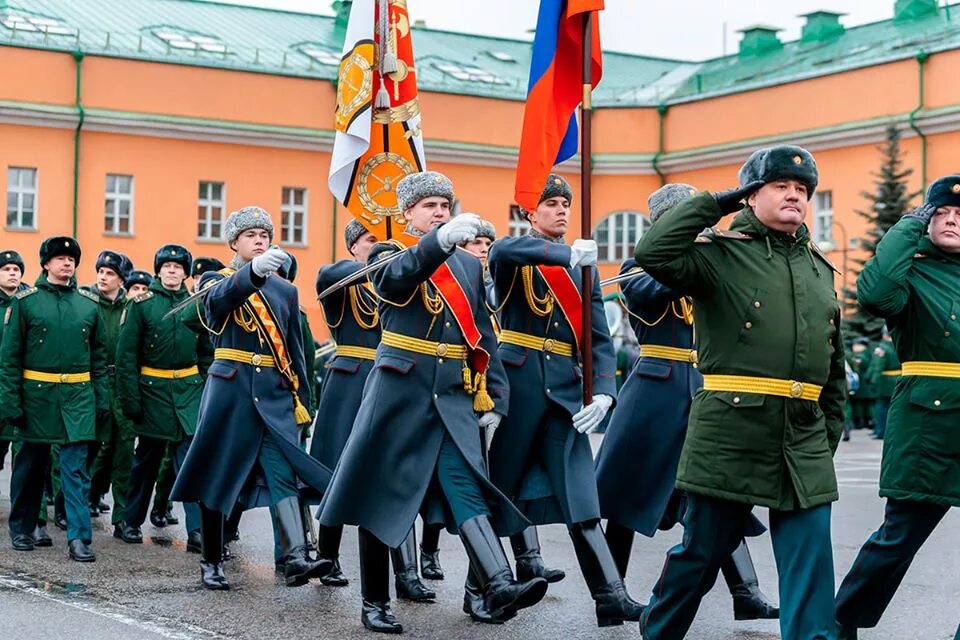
[(78, 56), (921, 62), (661, 115)]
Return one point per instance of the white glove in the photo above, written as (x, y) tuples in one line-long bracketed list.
[(268, 262), (490, 421), (589, 417), (583, 253), (461, 228)]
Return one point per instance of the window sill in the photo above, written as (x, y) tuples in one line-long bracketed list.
[(111, 234), (211, 241), (21, 229), (295, 245)]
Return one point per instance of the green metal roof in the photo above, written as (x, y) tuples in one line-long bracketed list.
[(196, 32)]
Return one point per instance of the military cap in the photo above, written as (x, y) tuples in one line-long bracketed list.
[(487, 230), (288, 270), (786, 162), (245, 219), (10, 256), (126, 266), (353, 232), (417, 186), (110, 260), (59, 246), (138, 277), (172, 253), (556, 187), (945, 192), (203, 264), (667, 197)]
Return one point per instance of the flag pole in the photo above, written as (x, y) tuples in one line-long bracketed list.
[(586, 226)]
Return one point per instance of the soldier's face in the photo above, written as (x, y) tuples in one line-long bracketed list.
[(429, 213), (361, 248), (172, 275), (251, 243), (945, 229), (781, 205), (136, 290), (479, 248), (108, 281), (10, 277), (552, 217), (60, 268)]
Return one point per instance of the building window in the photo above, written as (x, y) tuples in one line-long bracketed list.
[(293, 213), (318, 53), (21, 198), (823, 217), (19, 21), (618, 233), (468, 73), (518, 224), (210, 211), (189, 41), (118, 205)]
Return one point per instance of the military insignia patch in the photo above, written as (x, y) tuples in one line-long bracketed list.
[(956, 188), (67, 243), (797, 160)]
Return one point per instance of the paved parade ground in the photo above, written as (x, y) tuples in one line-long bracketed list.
[(152, 590)]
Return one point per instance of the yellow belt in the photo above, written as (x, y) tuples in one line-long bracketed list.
[(348, 351), (170, 374), (246, 357), (57, 378), (426, 347), (893, 372), (536, 343), (764, 386), (931, 369), (669, 353)]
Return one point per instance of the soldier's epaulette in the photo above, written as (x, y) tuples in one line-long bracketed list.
[(712, 233), (89, 294), (813, 247), (146, 295), (20, 295), (919, 255)]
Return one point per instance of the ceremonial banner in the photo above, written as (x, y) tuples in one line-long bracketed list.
[(377, 120), (554, 92)]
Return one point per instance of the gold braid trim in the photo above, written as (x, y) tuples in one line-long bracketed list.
[(540, 306), (362, 309)]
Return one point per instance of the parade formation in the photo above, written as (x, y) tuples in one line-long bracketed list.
[(467, 370)]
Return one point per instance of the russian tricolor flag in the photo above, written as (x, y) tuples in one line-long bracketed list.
[(555, 91)]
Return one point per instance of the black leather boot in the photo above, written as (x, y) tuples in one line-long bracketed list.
[(473, 602), (40, 536), (502, 595), (749, 603), (298, 566), (845, 632), (614, 604), (128, 533), (59, 512), (620, 541), (329, 543), (157, 519), (168, 516), (526, 551), (406, 579), (80, 551), (194, 542), (375, 611), (430, 567), (211, 554)]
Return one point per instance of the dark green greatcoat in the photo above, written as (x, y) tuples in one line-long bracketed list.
[(7, 432), (884, 359), (111, 311), (53, 329), (916, 287), (162, 408), (765, 306)]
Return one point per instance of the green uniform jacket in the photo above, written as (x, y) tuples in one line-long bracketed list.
[(53, 329), (764, 305), (861, 364), (884, 359), (111, 312), (916, 287), (161, 408), (7, 432)]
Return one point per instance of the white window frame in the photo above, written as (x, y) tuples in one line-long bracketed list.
[(112, 200), (187, 41), (618, 246), (468, 73), (288, 211), (321, 55), (517, 223), (208, 203), (823, 218), (20, 192), (21, 22)]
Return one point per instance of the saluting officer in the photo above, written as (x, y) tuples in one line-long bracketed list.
[(914, 282), (53, 386), (764, 427), (11, 282)]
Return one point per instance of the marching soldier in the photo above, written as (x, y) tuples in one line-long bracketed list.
[(764, 427), (137, 283), (203, 264), (862, 402), (541, 455), (11, 282), (914, 282), (53, 387), (161, 365), (415, 444), (246, 449), (883, 373), (651, 417)]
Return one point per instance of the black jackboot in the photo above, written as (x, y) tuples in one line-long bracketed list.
[(211, 554), (620, 541), (375, 612), (430, 552), (329, 544), (298, 567), (749, 603), (614, 604), (502, 595), (406, 579), (473, 601), (526, 551)]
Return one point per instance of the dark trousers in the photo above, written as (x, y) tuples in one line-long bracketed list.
[(713, 530), (883, 561), (459, 483), (26, 488), (146, 466), (280, 476), (881, 408)]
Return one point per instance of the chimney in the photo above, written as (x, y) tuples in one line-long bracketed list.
[(759, 40), (822, 26), (909, 10)]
